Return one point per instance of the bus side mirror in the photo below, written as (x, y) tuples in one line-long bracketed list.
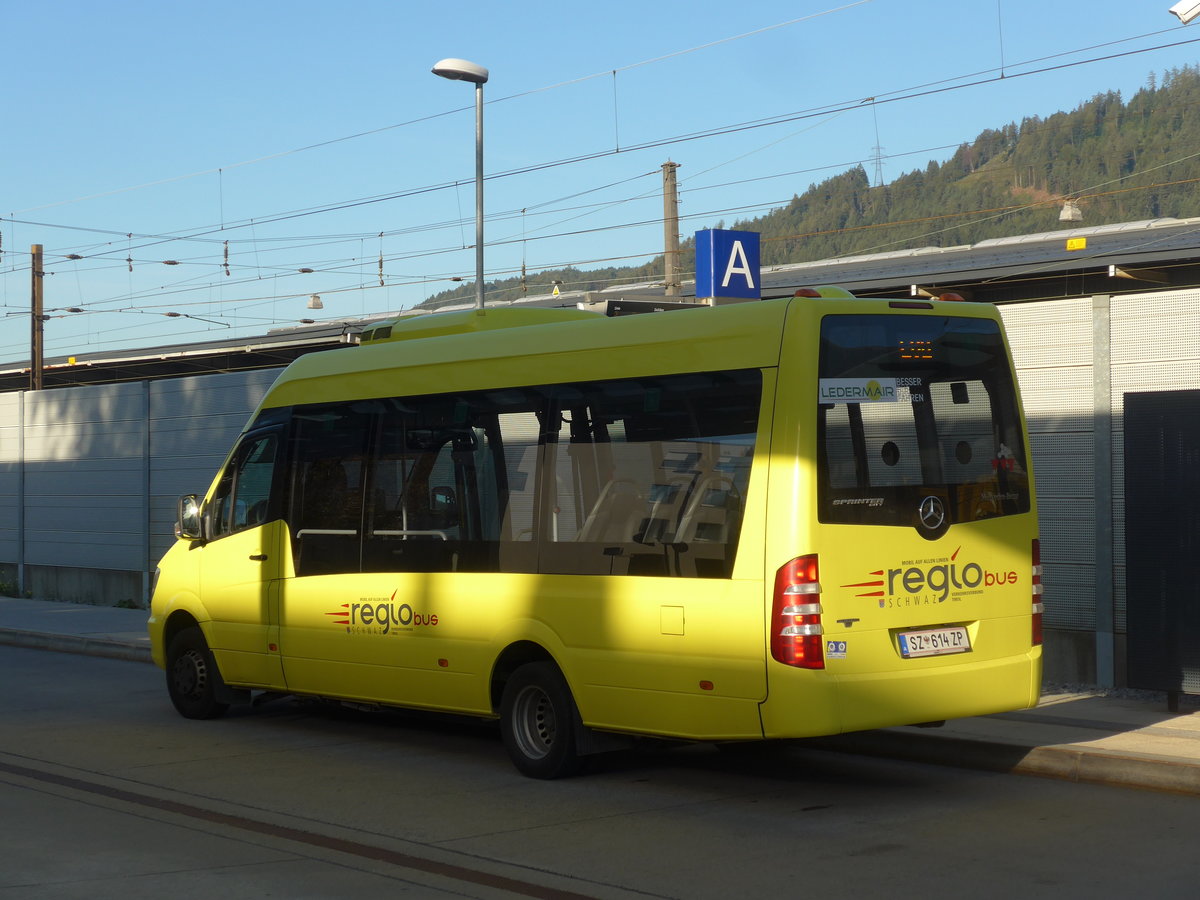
[(187, 518)]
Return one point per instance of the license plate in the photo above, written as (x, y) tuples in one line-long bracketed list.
[(934, 642)]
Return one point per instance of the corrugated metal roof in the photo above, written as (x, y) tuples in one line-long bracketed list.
[(1154, 240)]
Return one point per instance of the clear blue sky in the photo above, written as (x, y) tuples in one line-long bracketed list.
[(300, 131)]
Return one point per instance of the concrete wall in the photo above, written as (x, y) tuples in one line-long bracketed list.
[(89, 477), (1053, 349)]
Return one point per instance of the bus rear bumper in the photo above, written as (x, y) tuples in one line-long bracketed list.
[(800, 706)]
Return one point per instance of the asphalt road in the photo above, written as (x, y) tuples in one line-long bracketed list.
[(106, 792)]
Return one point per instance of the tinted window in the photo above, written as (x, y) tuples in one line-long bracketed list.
[(243, 495), (329, 447), (452, 484), (633, 476), (650, 475), (917, 406)]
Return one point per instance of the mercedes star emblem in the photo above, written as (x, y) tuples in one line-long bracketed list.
[(932, 512)]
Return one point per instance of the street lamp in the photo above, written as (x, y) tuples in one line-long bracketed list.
[(462, 70), (1186, 10)]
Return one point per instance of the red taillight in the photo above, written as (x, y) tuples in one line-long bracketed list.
[(796, 632), (1038, 607)]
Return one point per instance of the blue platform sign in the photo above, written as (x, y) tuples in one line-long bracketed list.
[(727, 264)]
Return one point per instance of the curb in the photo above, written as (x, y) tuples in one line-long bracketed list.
[(1065, 762), (71, 643)]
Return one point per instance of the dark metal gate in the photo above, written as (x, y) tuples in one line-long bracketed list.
[(1162, 540)]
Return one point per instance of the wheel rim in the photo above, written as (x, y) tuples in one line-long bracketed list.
[(534, 723), (190, 674)]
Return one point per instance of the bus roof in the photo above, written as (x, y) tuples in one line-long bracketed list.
[(505, 347), (464, 321)]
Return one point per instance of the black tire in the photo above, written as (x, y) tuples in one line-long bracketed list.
[(192, 676), (538, 721)]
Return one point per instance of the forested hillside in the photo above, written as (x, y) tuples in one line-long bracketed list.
[(1118, 160)]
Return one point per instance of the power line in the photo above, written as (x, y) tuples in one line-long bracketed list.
[(244, 302), (203, 235), (923, 90), (217, 170)]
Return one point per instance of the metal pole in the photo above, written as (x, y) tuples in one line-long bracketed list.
[(1105, 591), (479, 195), (35, 347), (147, 499), (465, 70), (670, 230), (22, 473)]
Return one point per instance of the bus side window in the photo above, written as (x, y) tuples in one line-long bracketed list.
[(650, 475), (516, 509), (327, 484), (454, 484), (243, 495), (631, 476)]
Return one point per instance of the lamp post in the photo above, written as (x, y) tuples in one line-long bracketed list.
[(1187, 10), (462, 70)]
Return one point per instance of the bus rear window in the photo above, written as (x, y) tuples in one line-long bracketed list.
[(912, 407)]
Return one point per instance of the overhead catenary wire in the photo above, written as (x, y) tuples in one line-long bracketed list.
[(129, 259), (981, 77), (316, 145), (260, 239), (335, 264), (248, 301)]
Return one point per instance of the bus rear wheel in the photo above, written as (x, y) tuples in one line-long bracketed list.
[(192, 676), (538, 721)]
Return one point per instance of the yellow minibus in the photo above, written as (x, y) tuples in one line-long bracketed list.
[(771, 519)]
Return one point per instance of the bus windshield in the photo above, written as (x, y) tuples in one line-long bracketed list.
[(914, 407)]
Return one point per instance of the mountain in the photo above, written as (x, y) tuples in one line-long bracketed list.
[(1118, 161)]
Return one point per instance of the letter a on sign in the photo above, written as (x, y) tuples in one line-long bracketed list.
[(727, 264), (738, 265)]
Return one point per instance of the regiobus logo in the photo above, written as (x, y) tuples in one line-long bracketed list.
[(380, 615), (927, 581)]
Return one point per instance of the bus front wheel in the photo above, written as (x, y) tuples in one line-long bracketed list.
[(538, 721), (192, 676)]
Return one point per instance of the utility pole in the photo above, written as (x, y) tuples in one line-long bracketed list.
[(671, 271), (35, 351)]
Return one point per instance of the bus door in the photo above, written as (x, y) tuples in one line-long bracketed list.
[(396, 555), (242, 563), (325, 489)]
